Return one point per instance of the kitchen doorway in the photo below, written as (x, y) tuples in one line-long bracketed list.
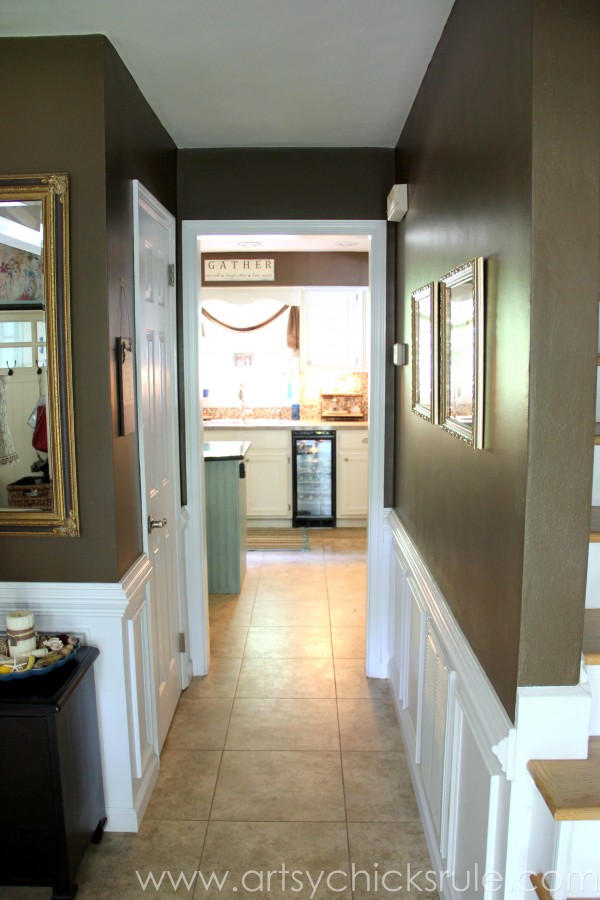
[(377, 603)]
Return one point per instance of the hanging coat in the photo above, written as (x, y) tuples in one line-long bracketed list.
[(40, 430)]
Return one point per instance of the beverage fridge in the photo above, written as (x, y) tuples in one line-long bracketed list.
[(313, 478)]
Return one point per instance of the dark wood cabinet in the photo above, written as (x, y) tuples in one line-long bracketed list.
[(51, 791)]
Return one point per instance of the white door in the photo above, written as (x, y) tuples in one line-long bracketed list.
[(155, 328)]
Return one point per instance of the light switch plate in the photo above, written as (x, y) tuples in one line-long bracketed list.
[(400, 354)]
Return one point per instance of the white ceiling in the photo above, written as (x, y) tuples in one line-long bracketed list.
[(260, 73)]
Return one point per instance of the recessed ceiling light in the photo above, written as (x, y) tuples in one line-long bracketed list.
[(347, 243), (249, 243)]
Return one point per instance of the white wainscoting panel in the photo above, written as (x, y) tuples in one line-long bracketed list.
[(115, 618)]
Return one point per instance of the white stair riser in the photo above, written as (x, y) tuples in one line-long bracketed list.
[(594, 679), (592, 591), (596, 476)]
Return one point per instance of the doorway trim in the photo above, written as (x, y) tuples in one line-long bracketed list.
[(377, 650)]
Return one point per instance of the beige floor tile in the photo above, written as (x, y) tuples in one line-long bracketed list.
[(185, 785), (279, 786), (228, 640), (221, 680), (295, 589), (288, 643), (228, 609), (351, 681), (348, 612), (378, 788), (200, 725), (250, 850), (311, 678), (290, 612), (283, 725), (349, 642), (109, 868), (369, 724), (396, 847)]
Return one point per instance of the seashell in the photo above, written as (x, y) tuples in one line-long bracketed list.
[(3, 648)]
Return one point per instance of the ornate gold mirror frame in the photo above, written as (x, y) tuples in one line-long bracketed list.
[(35, 331)]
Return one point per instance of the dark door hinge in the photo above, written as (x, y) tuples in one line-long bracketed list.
[(171, 274), (181, 642)]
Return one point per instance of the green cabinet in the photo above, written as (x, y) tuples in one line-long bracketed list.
[(225, 492)]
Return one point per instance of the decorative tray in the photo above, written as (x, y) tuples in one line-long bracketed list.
[(67, 641)]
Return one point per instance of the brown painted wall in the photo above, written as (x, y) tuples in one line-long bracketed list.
[(470, 153), (52, 96), (137, 146), (58, 103), (284, 183), (564, 321), (298, 269)]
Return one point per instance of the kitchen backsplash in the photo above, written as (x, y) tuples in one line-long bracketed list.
[(311, 387)]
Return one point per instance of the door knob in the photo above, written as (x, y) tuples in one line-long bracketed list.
[(155, 523)]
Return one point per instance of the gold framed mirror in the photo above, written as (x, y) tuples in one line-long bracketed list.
[(38, 490), (463, 352), (425, 355)]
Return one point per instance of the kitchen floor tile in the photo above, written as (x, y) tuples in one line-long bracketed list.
[(311, 678), (369, 724), (378, 788), (200, 725), (351, 680), (396, 848), (287, 643), (228, 640), (290, 612), (284, 725), (248, 851), (228, 609), (185, 786), (348, 612), (349, 642), (120, 865), (279, 786), (221, 680)]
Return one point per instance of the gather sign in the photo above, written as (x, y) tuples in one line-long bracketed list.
[(239, 269)]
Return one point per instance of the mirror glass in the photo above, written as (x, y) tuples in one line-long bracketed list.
[(37, 483)]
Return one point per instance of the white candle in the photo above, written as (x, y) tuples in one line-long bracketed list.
[(20, 631)]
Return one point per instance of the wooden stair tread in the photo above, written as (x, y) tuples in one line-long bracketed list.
[(591, 637), (595, 525), (570, 787), (597, 433), (539, 882)]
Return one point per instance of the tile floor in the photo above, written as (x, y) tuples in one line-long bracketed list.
[(284, 759)]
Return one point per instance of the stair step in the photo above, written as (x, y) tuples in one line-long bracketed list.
[(597, 433), (570, 787), (591, 637), (595, 525), (539, 882)]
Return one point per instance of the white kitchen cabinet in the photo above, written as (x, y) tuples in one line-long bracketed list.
[(268, 489), (332, 330), (352, 474)]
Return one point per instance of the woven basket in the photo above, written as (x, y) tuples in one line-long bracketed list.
[(30, 493)]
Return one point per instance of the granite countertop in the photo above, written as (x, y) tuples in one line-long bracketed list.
[(225, 449), (300, 424)]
